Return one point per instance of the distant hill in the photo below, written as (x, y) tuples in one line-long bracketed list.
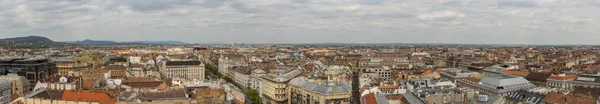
[(95, 42), (29, 42), (38, 39), (105, 42), (211, 43), (162, 42)]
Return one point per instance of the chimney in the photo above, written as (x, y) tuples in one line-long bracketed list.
[(465, 98), (523, 98)]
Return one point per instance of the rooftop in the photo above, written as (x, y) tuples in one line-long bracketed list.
[(85, 96), (183, 63), (282, 76)]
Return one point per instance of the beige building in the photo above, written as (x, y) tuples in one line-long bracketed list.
[(19, 84), (23, 100), (210, 96), (184, 69), (275, 87), (309, 91)]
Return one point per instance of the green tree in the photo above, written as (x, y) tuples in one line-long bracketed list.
[(254, 96)]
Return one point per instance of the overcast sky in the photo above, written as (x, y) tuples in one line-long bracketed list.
[(307, 21)]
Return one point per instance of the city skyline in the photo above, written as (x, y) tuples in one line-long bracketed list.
[(307, 21)]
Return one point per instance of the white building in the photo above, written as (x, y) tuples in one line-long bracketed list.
[(228, 61), (383, 72), (241, 75), (256, 80), (135, 59)]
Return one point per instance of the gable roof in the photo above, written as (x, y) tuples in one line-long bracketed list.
[(84, 96), (369, 99), (45, 94), (538, 76)]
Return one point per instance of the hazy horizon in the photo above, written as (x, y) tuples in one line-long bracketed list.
[(307, 21)]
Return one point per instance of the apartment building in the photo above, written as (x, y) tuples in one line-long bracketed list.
[(275, 86)]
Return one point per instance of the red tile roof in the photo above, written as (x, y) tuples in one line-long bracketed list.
[(427, 72), (100, 97), (388, 87), (515, 72), (369, 99), (566, 77)]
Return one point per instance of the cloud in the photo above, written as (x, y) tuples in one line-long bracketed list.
[(519, 3), (445, 15), (306, 20)]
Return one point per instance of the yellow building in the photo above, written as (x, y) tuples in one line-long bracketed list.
[(64, 67)]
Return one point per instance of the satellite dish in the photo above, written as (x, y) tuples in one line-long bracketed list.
[(117, 81), (63, 79)]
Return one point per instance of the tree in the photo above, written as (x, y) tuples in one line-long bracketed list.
[(254, 96)]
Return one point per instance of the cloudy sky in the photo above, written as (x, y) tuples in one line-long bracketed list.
[(307, 21)]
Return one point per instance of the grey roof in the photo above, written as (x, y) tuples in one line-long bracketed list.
[(498, 68), (412, 99), (530, 98), (333, 87), (381, 99), (45, 94), (590, 78), (283, 77), (503, 80), (11, 77), (504, 83), (4, 82)]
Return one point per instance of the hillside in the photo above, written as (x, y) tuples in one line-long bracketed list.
[(103, 42), (29, 42)]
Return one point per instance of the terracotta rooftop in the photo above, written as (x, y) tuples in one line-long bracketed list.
[(566, 77), (84, 96), (369, 99), (388, 87), (427, 72), (515, 72)]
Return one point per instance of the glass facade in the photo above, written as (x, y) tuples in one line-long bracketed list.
[(32, 69)]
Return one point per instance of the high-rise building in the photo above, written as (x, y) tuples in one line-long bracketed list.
[(31, 67)]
